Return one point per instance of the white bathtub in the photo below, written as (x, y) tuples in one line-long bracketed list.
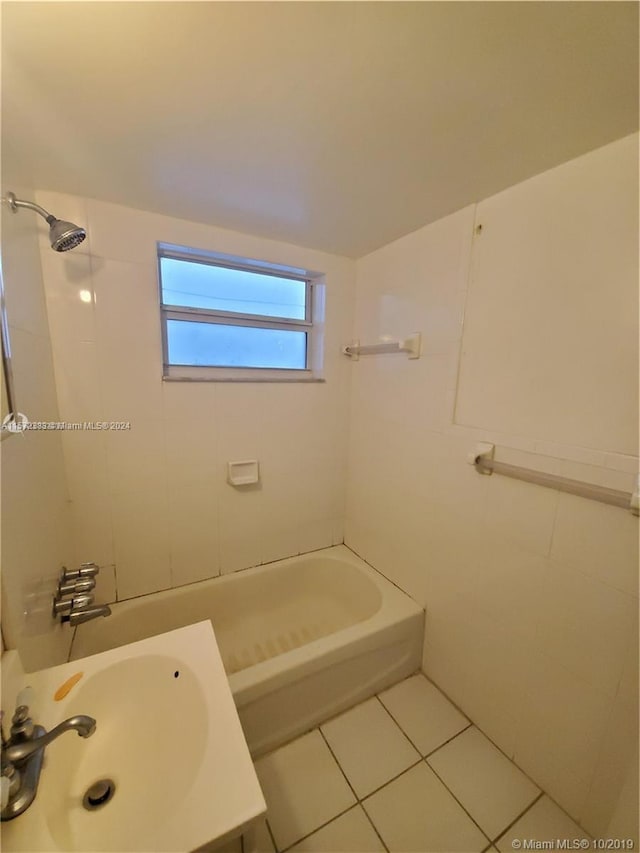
[(301, 639)]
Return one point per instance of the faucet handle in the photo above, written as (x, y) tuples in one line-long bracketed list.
[(21, 724), (72, 587), (70, 604), (86, 570)]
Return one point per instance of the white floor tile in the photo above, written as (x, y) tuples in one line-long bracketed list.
[(490, 787), (420, 709), (303, 786), (257, 839), (350, 833), (369, 746), (416, 814), (544, 821)]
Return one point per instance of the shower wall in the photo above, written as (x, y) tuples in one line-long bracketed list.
[(36, 524), (530, 342), (153, 501)]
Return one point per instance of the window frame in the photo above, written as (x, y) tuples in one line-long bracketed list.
[(218, 373)]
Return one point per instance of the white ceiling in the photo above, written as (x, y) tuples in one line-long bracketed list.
[(339, 126)]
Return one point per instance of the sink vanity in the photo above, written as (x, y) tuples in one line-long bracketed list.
[(167, 768)]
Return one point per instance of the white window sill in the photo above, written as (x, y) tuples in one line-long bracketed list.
[(239, 374)]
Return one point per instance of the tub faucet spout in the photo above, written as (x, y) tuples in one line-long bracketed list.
[(84, 614)]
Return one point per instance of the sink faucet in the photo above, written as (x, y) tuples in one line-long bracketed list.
[(22, 756), (16, 753), (84, 614)]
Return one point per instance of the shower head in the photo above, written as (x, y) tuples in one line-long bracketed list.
[(62, 235)]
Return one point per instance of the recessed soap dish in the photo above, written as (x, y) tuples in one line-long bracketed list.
[(243, 473)]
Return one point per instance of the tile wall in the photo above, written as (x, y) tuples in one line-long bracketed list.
[(531, 595), (154, 500), (36, 523)]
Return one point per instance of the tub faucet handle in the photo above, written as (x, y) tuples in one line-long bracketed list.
[(73, 587), (70, 604), (86, 570)]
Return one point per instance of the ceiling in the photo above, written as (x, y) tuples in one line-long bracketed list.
[(339, 126)]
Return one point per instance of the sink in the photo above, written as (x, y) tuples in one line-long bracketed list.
[(133, 701), (168, 738)]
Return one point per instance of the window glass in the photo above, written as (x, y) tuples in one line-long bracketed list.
[(199, 285), (220, 345)]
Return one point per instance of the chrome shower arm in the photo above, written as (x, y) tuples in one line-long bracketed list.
[(63, 235), (14, 203)]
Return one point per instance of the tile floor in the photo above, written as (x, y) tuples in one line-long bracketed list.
[(403, 771)]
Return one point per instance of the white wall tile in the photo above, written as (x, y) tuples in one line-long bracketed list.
[(92, 526), (141, 539), (78, 382), (561, 725), (70, 296), (547, 343), (194, 538), (135, 456), (600, 541), (36, 523), (586, 626), (521, 513), (189, 401), (190, 451), (618, 755)]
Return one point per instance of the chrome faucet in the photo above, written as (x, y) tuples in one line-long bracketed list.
[(22, 756), (73, 599), (16, 753), (84, 614)]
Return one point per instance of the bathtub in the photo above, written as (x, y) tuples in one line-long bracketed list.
[(301, 639)]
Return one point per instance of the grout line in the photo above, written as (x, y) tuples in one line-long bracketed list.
[(522, 813), (318, 828), (446, 696), (374, 827), (73, 639), (392, 582), (353, 791), (433, 751), (358, 800), (509, 758), (398, 725), (389, 781), (444, 743), (458, 801), (361, 801), (271, 835)]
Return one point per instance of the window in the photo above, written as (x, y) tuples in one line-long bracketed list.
[(231, 318)]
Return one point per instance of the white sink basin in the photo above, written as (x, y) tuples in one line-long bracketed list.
[(168, 737)]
